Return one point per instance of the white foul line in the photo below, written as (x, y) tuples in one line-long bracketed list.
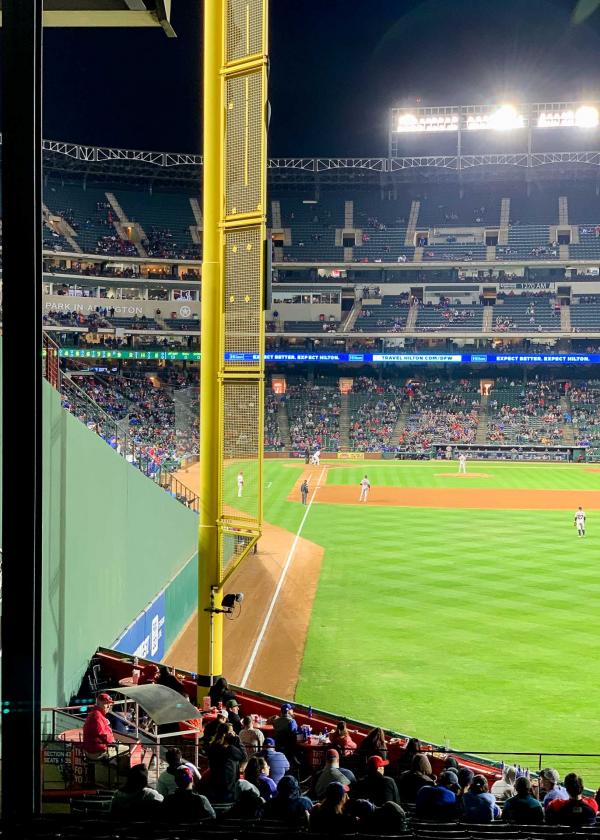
[(278, 588)]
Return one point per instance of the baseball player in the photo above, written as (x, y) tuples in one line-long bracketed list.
[(240, 484), (365, 486), (316, 458), (304, 491), (462, 464), (580, 521)]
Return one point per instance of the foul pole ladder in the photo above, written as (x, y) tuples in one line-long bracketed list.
[(233, 278)]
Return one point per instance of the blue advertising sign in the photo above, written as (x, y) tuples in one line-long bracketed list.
[(145, 636)]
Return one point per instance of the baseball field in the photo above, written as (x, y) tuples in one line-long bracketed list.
[(457, 608)]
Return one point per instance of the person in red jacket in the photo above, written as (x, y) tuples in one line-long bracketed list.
[(97, 731)]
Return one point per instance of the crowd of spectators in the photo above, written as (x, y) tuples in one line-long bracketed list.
[(584, 399), (374, 411), (273, 441), (355, 788), (440, 411), (526, 413), (314, 413)]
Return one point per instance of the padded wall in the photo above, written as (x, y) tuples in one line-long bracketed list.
[(111, 541)]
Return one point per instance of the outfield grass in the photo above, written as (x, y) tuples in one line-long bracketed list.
[(473, 626)]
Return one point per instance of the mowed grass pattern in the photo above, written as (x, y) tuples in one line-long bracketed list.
[(475, 626)]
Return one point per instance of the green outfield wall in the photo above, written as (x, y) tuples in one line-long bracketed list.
[(112, 540)]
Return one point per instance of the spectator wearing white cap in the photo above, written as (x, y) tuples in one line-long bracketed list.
[(550, 783)]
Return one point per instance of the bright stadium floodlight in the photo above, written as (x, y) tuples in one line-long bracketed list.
[(586, 116), (505, 118), (408, 122)]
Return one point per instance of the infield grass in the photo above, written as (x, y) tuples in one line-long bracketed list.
[(479, 627)]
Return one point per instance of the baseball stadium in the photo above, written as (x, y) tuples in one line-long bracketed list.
[(310, 544)]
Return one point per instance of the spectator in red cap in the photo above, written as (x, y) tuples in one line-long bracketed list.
[(184, 805), (332, 772), (376, 787), (329, 816), (97, 731)]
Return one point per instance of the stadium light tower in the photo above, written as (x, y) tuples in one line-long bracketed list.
[(524, 120)]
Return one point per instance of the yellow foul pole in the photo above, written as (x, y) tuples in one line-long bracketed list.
[(210, 625)]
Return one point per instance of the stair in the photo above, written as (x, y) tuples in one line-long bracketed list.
[(504, 220), (482, 424), (563, 252), (401, 421), (568, 431), (58, 224), (412, 223), (488, 319), (565, 319), (411, 318), (348, 254), (197, 211), (348, 215), (418, 255), (490, 253), (197, 228), (123, 220), (344, 422), (283, 424), (348, 324), (276, 215), (563, 210)]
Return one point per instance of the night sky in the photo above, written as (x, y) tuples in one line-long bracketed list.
[(336, 66)]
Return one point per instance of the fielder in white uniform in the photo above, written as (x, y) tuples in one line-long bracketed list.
[(240, 484), (316, 458), (365, 486), (580, 522), (462, 464)]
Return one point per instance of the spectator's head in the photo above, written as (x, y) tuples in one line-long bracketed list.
[(184, 778), (151, 673), (247, 722), (137, 779), (233, 706), (221, 685), (269, 744), (332, 758), (362, 809), (449, 779), (479, 784), (221, 733), (465, 777), (288, 788), (376, 764), (390, 818), (509, 774), (287, 709), (451, 763), (574, 785), (341, 729), (336, 795), (549, 778), (523, 786), (421, 764), (254, 768), (104, 701), (173, 756), (375, 739), (413, 747)]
